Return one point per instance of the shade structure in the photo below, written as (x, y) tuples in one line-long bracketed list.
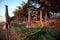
[(7, 18)]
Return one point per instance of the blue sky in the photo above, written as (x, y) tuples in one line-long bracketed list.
[(12, 5)]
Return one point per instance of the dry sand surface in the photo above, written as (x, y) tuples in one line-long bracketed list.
[(7, 34)]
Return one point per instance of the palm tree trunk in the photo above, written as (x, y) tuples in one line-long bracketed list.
[(29, 18), (46, 18), (41, 18)]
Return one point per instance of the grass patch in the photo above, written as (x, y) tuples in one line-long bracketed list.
[(32, 29), (38, 33)]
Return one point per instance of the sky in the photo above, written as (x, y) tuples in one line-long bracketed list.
[(12, 5)]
